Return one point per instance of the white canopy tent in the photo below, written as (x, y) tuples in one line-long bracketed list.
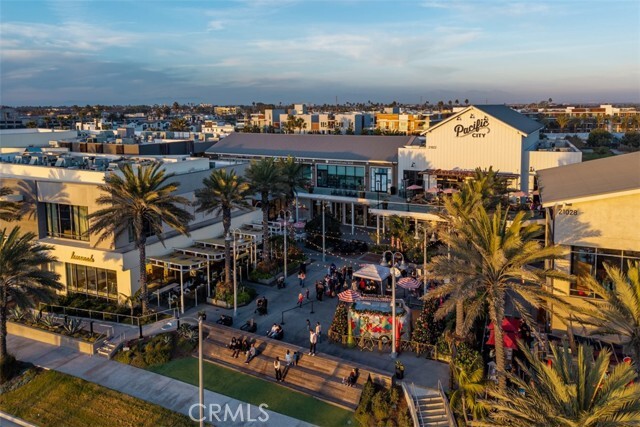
[(373, 272)]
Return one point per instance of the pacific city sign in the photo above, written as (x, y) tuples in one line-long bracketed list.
[(477, 129)]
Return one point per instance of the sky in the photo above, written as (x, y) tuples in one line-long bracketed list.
[(70, 52)]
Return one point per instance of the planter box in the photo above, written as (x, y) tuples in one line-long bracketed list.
[(52, 338)]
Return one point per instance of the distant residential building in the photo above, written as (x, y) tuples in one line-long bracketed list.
[(10, 119), (225, 111)]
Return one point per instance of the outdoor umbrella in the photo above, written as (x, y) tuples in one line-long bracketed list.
[(519, 194), (349, 296), (510, 333), (414, 187), (450, 191), (433, 190), (409, 283)]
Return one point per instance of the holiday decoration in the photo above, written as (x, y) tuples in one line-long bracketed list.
[(427, 329)]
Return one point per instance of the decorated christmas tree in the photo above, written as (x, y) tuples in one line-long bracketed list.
[(339, 324), (427, 329)]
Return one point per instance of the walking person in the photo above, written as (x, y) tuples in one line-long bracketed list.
[(288, 358), (300, 299), (307, 295), (278, 368), (302, 277), (318, 330), (313, 340)]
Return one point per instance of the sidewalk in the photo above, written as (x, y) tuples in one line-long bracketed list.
[(160, 390), (421, 371)]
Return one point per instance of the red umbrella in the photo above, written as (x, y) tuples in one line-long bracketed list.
[(408, 283), (433, 190), (414, 187), (450, 191), (349, 296), (510, 328)]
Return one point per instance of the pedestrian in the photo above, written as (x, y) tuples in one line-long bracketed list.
[(277, 368), (302, 277), (318, 330), (313, 340), (308, 325), (307, 294), (288, 358), (300, 299)]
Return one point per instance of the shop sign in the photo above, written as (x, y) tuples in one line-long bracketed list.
[(477, 129), (82, 258)]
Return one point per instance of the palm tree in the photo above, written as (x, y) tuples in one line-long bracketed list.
[(471, 386), (139, 202), (491, 257), (265, 178), (292, 177), (223, 191), (179, 125), (9, 210), (563, 120), (617, 312), (575, 390), (22, 278)]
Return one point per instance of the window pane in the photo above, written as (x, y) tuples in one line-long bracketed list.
[(92, 281), (112, 283), (81, 273), (340, 170), (331, 169), (102, 281), (601, 273), (71, 278), (359, 171), (65, 220), (582, 266)]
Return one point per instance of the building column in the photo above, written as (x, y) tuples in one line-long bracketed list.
[(352, 219)]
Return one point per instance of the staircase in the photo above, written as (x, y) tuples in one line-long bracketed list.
[(431, 411), (320, 376), (110, 346)]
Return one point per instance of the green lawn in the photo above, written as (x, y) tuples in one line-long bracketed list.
[(56, 399), (594, 156), (256, 391)]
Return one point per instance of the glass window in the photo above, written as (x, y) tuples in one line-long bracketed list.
[(66, 221), (81, 274), (92, 281), (339, 176), (587, 262), (112, 283)]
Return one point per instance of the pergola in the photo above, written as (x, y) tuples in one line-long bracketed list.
[(181, 263), (210, 254), (248, 244)]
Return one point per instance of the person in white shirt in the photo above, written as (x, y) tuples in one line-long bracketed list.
[(313, 340), (288, 358)]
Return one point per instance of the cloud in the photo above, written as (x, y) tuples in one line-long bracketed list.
[(215, 25)]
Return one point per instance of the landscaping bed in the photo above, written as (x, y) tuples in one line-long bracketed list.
[(69, 327), (159, 349), (51, 398)]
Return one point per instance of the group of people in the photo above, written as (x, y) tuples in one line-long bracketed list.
[(238, 345), (290, 359), (276, 332), (351, 380), (314, 337)]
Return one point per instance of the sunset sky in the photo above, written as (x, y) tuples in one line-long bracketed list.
[(121, 52)]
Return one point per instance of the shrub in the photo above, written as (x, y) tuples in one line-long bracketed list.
[(380, 406), (49, 321), (467, 357), (72, 326)]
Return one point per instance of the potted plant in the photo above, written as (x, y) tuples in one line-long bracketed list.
[(399, 370)]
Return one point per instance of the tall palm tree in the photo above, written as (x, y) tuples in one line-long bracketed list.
[(223, 191), (491, 257), (9, 211), (617, 312), (574, 391), (471, 387), (142, 201), (563, 120), (22, 277), (292, 177), (179, 125), (265, 178)]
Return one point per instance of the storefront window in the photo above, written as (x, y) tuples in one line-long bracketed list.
[(91, 281), (587, 262), (67, 221), (339, 176), (381, 179)]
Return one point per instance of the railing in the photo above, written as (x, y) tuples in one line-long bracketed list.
[(413, 391), (106, 316), (371, 343), (412, 406), (447, 409), (296, 308)]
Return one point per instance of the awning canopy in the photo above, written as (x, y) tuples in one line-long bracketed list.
[(219, 242), (178, 262), (209, 253), (373, 272)]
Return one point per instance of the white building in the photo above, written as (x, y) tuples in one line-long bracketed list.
[(482, 136)]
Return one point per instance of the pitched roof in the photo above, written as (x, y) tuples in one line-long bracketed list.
[(329, 147), (602, 177), (504, 113)]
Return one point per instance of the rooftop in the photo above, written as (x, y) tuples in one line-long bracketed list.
[(603, 177), (504, 113), (324, 147)]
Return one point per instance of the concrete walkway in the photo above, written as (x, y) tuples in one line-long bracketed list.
[(160, 390)]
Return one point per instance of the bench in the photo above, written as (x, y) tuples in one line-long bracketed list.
[(320, 376)]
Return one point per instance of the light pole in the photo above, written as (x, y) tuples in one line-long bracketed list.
[(202, 316), (383, 262), (234, 232), (321, 204), (287, 213), (424, 254)]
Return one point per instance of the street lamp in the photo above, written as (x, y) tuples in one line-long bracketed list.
[(287, 213), (234, 232), (321, 204), (202, 316), (383, 262), (424, 253)]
